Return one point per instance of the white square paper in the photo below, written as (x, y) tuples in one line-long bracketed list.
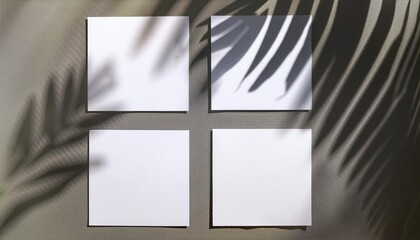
[(261, 63), (138, 178), (262, 177), (138, 63)]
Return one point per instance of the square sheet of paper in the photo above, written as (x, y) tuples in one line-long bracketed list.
[(138, 63), (261, 63), (138, 178), (261, 177)]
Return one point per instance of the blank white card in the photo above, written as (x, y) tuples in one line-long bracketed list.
[(138, 63), (261, 177), (138, 178), (261, 63)]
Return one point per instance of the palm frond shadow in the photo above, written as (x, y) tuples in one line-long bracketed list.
[(367, 99), (240, 32), (248, 28), (366, 92), (64, 122), (370, 110)]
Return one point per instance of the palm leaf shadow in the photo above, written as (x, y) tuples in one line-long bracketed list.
[(293, 33), (240, 34), (375, 122), (369, 117), (21, 147), (68, 175), (64, 123), (363, 66), (269, 38), (236, 8)]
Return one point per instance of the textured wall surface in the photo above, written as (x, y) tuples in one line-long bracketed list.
[(365, 174)]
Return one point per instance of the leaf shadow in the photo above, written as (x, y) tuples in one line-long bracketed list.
[(380, 138), (64, 123), (240, 30), (294, 32), (368, 110), (375, 122)]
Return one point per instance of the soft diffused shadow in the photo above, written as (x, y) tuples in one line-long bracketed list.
[(63, 124)]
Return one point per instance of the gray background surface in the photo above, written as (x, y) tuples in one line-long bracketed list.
[(41, 37)]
